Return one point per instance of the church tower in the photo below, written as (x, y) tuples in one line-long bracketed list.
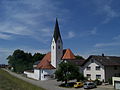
[(56, 46)]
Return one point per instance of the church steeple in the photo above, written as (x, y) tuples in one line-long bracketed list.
[(56, 46), (56, 34)]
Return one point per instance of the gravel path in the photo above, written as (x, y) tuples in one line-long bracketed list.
[(53, 84)]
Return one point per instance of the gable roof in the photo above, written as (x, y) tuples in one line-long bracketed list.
[(105, 60), (68, 55), (45, 62), (56, 31)]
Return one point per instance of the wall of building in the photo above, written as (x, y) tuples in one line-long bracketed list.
[(59, 48), (110, 71), (53, 53), (93, 70), (56, 52), (47, 74), (34, 75), (115, 79)]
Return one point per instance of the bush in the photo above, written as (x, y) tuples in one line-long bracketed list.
[(98, 82), (110, 80)]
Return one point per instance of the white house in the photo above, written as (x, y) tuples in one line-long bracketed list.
[(47, 66), (101, 67)]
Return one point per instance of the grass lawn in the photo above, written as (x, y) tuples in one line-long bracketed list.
[(9, 82)]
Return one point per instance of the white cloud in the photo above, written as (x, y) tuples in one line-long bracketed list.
[(104, 8), (93, 32), (71, 34), (117, 37), (107, 44), (46, 32), (5, 36), (88, 32), (110, 13), (29, 17)]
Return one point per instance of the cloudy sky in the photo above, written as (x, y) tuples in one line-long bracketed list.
[(87, 26)]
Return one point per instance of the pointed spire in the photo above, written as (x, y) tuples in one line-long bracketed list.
[(56, 31)]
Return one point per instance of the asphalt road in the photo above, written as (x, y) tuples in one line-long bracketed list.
[(53, 84)]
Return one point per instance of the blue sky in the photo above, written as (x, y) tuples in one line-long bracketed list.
[(87, 26)]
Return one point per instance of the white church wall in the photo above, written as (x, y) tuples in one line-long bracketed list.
[(53, 53), (56, 52), (34, 75), (46, 74)]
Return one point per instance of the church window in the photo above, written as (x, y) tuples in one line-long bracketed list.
[(53, 47), (42, 71), (58, 41), (58, 47)]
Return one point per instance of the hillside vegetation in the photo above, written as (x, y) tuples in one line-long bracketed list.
[(9, 82)]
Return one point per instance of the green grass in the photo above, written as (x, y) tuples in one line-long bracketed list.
[(9, 82)]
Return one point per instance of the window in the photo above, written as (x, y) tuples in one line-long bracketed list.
[(97, 67), (115, 68), (98, 76), (42, 71), (88, 68), (58, 41), (88, 75), (58, 47), (53, 47)]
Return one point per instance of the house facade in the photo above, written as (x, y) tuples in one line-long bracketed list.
[(102, 67), (45, 69)]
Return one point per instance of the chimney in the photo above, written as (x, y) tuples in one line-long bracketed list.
[(103, 54)]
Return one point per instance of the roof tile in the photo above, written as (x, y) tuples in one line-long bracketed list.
[(68, 55), (45, 62)]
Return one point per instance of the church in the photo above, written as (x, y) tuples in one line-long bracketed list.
[(45, 69)]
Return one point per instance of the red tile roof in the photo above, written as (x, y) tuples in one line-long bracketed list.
[(68, 55), (45, 62)]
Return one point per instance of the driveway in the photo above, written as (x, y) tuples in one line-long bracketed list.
[(53, 84)]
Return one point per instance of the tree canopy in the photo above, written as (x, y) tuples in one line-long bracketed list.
[(79, 57), (67, 71), (37, 56), (21, 61)]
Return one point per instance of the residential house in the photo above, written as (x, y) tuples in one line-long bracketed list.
[(101, 67)]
